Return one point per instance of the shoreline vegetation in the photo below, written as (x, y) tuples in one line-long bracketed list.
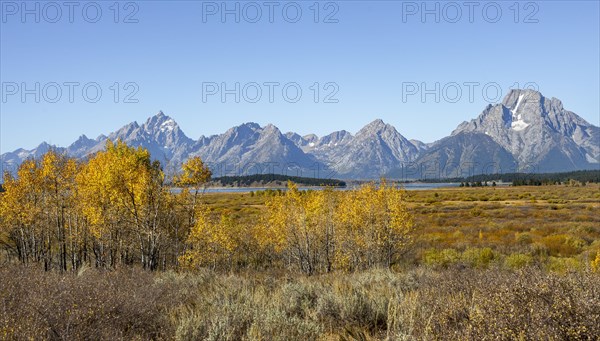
[(506, 179), (272, 180), (102, 249)]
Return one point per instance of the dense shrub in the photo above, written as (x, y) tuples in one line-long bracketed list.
[(518, 260), (125, 304), (421, 304)]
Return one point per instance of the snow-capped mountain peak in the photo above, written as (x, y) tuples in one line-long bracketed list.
[(525, 129), (538, 131)]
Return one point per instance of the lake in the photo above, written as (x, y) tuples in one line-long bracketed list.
[(409, 186)]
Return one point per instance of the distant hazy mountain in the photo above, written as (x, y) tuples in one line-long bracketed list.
[(459, 155), (421, 146), (12, 160), (525, 132), (375, 150), (250, 149), (371, 153)]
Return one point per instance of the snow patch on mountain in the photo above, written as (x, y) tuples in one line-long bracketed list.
[(518, 123), (168, 125)]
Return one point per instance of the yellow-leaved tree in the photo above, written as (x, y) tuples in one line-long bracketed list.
[(194, 175), (38, 212), (216, 242), (122, 194), (374, 227), (300, 227), (58, 183), (21, 213), (318, 231)]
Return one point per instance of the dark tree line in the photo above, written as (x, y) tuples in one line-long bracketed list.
[(263, 179)]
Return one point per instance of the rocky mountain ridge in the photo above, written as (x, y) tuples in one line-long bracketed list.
[(525, 132)]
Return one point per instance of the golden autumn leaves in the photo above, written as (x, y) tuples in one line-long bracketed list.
[(111, 209), (115, 208), (313, 231), (36, 220)]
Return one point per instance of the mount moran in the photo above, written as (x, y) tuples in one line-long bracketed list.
[(525, 132)]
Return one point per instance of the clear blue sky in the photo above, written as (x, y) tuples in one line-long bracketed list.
[(373, 49)]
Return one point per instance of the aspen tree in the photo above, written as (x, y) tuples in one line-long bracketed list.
[(124, 196)]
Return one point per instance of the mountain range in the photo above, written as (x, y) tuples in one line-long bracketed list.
[(525, 132)]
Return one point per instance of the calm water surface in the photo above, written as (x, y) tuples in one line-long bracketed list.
[(411, 186)]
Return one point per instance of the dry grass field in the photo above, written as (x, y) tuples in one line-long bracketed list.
[(558, 225), (504, 263)]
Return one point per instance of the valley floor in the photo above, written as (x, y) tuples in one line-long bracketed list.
[(486, 263)]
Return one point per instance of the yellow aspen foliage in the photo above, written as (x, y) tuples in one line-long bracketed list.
[(596, 263), (112, 185), (121, 191), (114, 208), (19, 203), (319, 230), (37, 210), (58, 182), (21, 210), (214, 242), (194, 173), (374, 228), (296, 226)]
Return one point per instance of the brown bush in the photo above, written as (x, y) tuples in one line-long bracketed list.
[(94, 305), (422, 304), (499, 305)]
